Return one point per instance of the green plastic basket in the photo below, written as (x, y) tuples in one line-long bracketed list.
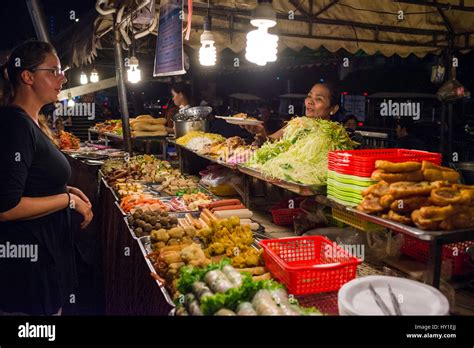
[(351, 179)]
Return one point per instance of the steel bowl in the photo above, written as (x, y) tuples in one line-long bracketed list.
[(183, 127), (467, 171), (193, 114)]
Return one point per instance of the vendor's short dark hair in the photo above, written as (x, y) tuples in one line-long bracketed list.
[(334, 91), (181, 87)]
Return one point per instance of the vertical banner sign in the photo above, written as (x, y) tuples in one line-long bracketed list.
[(169, 55)]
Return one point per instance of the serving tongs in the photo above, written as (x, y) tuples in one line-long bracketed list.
[(383, 307)]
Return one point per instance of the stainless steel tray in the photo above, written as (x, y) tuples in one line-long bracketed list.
[(302, 190), (413, 231), (145, 247)]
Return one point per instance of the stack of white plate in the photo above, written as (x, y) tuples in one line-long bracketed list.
[(415, 298)]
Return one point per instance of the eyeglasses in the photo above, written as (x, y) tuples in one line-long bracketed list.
[(55, 71)]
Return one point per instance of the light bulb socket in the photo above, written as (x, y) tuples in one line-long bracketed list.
[(207, 23), (263, 14), (133, 61), (207, 37)]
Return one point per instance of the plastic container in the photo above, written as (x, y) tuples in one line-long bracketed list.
[(310, 264), (366, 158), (354, 221), (455, 252)]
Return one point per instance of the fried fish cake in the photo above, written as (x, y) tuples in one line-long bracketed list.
[(403, 219), (370, 204), (457, 221), (379, 189), (422, 223), (433, 172), (409, 189), (436, 213), (386, 201), (391, 178), (402, 167), (408, 204)]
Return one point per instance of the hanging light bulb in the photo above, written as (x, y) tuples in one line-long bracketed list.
[(70, 101), (262, 47), (94, 76), (133, 74), (207, 52), (84, 80)]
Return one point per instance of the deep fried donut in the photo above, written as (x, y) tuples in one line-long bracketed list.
[(445, 196)]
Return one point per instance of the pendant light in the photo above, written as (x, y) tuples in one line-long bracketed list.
[(261, 45), (207, 52), (94, 76), (134, 74), (83, 78)]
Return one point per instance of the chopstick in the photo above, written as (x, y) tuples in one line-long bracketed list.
[(396, 304), (379, 301)]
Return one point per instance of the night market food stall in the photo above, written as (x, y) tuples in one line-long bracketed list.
[(190, 236)]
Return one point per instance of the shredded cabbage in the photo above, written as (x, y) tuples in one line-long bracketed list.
[(301, 155)]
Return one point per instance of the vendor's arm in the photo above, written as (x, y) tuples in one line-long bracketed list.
[(261, 132)]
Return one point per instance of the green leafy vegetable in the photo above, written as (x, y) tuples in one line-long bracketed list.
[(301, 154)]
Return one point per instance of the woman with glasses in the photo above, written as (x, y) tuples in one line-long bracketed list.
[(35, 201)]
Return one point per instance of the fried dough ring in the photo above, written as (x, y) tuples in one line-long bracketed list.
[(406, 220), (445, 196), (407, 205), (409, 189), (403, 167), (424, 224)]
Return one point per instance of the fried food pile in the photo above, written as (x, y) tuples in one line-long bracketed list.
[(419, 194)]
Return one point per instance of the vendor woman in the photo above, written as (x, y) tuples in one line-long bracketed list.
[(37, 266), (322, 102), (181, 94)]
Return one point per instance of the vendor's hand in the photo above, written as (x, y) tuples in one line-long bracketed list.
[(82, 208), (80, 194), (258, 129)]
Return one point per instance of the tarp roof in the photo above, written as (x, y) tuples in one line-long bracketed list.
[(388, 27)]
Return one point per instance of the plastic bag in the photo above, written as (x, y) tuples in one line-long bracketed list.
[(220, 181)]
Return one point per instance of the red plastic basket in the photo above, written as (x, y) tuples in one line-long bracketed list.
[(309, 265), (455, 252), (363, 161), (284, 216)]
